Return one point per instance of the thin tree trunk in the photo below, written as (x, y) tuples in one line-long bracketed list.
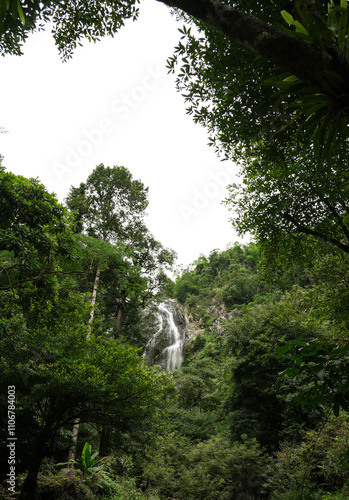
[(93, 300), (30, 483), (104, 443), (75, 431), (74, 442), (118, 321)]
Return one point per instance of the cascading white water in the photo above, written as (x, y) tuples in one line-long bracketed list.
[(174, 349), (166, 346)]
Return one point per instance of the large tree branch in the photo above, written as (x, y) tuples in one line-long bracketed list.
[(306, 61), (316, 234), (337, 215)]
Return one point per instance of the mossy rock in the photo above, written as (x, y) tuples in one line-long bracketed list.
[(64, 486)]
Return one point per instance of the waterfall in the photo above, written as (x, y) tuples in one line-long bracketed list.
[(173, 351), (165, 348)]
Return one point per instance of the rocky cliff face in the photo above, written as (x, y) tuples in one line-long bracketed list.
[(176, 328), (192, 328), (194, 323)]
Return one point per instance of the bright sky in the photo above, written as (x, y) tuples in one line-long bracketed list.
[(114, 103)]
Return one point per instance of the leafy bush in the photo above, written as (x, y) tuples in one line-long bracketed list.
[(213, 469), (220, 471), (318, 464)]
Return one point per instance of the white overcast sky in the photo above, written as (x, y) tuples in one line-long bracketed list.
[(114, 103)]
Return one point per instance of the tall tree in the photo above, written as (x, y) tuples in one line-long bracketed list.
[(61, 372), (34, 231), (110, 207), (110, 204)]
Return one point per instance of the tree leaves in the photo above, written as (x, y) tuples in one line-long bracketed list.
[(71, 21), (285, 193), (109, 210), (326, 362), (289, 19), (34, 231)]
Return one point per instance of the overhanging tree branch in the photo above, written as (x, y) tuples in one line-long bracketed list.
[(316, 234), (337, 216), (305, 60)]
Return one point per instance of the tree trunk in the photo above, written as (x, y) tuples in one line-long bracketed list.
[(94, 298), (30, 483), (104, 443), (75, 431), (74, 442), (118, 322)]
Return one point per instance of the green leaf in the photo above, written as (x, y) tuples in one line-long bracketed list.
[(291, 79), (314, 28), (20, 12), (290, 20), (300, 28), (332, 17), (288, 17)]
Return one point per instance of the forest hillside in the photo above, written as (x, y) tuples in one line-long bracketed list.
[(254, 406)]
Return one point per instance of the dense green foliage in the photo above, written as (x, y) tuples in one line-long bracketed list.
[(289, 194), (64, 367), (255, 107), (34, 231), (273, 387), (249, 417), (229, 276), (262, 404)]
